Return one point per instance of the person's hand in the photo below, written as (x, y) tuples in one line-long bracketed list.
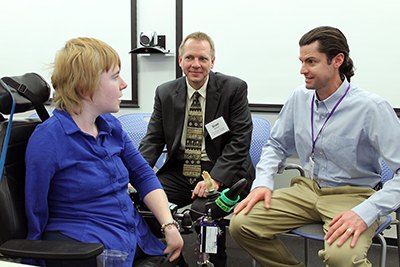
[(257, 194), (174, 242), (347, 223), (201, 189)]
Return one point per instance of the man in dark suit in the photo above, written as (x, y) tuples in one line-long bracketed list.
[(222, 147)]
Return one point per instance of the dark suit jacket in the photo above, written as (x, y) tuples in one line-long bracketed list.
[(226, 97)]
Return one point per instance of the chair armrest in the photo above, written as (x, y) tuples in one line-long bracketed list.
[(50, 250), (291, 166)]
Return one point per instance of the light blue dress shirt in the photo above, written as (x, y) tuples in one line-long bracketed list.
[(361, 131)]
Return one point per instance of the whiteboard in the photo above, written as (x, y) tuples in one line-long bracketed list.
[(33, 31), (257, 40)]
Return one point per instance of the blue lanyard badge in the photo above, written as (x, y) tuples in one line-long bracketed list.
[(329, 116)]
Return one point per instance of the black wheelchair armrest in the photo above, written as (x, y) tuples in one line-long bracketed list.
[(50, 250)]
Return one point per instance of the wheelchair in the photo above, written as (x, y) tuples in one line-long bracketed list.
[(20, 94)]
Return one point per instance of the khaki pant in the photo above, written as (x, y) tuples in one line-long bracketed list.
[(301, 203)]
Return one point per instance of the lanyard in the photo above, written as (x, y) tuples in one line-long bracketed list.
[(312, 120)]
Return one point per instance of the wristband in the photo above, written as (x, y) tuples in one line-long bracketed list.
[(228, 201), (165, 225)]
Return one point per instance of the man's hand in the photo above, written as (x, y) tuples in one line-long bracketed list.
[(347, 223), (201, 190), (257, 194)]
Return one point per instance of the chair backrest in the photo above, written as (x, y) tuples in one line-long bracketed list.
[(135, 124), (13, 223), (387, 173), (259, 137)]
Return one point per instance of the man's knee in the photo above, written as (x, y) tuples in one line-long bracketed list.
[(241, 226), (235, 225), (343, 256)]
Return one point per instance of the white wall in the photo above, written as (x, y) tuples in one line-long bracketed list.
[(257, 40), (33, 31), (157, 15)]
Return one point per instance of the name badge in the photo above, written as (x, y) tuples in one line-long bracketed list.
[(312, 165), (217, 127), (209, 238)]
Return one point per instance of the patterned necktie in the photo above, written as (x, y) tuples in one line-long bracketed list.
[(194, 138)]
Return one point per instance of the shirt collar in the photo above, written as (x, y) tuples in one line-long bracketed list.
[(70, 126), (331, 101), (202, 91)]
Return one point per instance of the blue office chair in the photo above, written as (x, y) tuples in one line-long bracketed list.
[(388, 174), (259, 137), (315, 231), (135, 124)]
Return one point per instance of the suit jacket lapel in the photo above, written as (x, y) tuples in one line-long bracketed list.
[(179, 104), (213, 96)]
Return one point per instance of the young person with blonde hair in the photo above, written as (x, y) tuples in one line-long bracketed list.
[(79, 163)]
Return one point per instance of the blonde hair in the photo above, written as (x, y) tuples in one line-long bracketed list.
[(77, 70), (199, 36)]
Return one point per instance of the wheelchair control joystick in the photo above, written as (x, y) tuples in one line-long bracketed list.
[(217, 207)]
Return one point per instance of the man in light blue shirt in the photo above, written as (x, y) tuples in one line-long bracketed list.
[(341, 133)]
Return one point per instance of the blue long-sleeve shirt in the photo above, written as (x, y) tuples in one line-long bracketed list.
[(77, 185), (348, 151)]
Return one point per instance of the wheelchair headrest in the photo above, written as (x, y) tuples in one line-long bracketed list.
[(32, 81)]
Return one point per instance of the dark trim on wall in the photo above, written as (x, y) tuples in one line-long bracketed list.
[(134, 103), (269, 108), (178, 34)]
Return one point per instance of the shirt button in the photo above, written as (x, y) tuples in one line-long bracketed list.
[(321, 153), (132, 230), (323, 169), (106, 158), (114, 180), (322, 117), (124, 208)]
